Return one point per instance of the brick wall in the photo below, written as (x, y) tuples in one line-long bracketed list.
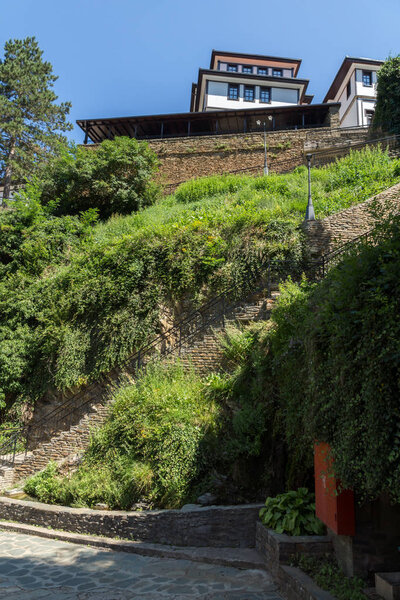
[(327, 234)]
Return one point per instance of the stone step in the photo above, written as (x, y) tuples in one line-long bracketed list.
[(240, 558)]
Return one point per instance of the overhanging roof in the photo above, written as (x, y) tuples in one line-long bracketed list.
[(215, 53), (203, 123), (344, 69)]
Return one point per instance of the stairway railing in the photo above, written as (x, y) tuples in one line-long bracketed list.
[(216, 310)]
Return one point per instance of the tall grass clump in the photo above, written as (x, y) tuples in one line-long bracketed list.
[(150, 448)]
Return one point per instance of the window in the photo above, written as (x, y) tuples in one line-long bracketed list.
[(249, 93), (277, 73), (348, 89), (232, 68), (369, 114), (265, 94), (247, 69), (233, 92), (367, 78), (262, 70)]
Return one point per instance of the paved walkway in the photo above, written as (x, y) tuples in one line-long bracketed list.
[(33, 568)]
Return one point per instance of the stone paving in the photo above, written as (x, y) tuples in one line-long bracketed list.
[(33, 568)]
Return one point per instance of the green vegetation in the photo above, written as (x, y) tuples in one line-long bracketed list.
[(387, 112), (77, 297), (327, 575), (115, 177), (166, 440), (31, 122), (326, 367), (292, 513)]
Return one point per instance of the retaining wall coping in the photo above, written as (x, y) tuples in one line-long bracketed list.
[(57, 508)]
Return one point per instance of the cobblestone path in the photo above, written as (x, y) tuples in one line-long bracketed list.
[(33, 568)]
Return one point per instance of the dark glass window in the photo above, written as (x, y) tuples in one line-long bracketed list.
[(262, 70), (232, 68), (348, 89), (233, 92), (249, 93), (246, 69), (367, 78), (265, 94), (369, 115), (277, 72)]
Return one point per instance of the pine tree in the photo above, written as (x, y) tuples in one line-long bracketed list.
[(30, 121)]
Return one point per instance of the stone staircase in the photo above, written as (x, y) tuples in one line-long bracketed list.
[(65, 443), (202, 353), (205, 354)]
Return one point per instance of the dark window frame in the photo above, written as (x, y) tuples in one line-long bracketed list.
[(348, 88), (249, 88), (233, 86), (275, 71), (231, 68), (262, 69), (369, 75), (268, 90), (369, 115), (250, 71)]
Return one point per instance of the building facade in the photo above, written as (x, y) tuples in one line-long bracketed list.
[(354, 87), (236, 81), (241, 93)]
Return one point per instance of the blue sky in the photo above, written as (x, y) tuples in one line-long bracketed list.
[(125, 57)]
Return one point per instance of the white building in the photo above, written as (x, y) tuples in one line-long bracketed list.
[(237, 81), (355, 88)]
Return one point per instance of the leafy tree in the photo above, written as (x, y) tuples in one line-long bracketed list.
[(30, 120), (387, 112), (115, 177)]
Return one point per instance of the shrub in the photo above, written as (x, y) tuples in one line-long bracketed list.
[(387, 112), (114, 177), (48, 486), (326, 574), (292, 513)]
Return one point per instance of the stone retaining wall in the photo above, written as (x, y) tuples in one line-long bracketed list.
[(278, 549), (190, 157), (215, 526), (327, 234)]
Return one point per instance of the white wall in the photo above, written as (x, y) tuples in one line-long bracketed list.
[(217, 97), (362, 97), (351, 118)]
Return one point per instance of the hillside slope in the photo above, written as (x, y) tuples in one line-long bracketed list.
[(77, 298)]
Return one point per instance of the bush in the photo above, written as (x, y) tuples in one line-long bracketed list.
[(114, 177), (327, 575), (292, 513), (387, 111)]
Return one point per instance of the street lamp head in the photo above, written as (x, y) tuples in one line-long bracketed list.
[(309, 157)]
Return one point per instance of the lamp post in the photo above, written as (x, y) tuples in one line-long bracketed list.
[(265, 143), (310, 214)]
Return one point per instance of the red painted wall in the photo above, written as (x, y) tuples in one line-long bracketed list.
[(335, 508)]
